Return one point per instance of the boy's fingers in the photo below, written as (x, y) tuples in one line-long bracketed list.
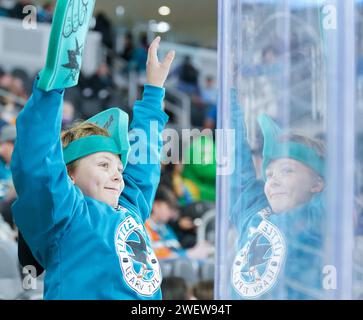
[(153, 49), (169, 58)]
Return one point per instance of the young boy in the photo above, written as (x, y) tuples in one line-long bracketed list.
[(280, 220), (81, 207)]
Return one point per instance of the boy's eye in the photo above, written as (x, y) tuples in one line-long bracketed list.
[(286, 170), (104, 165)]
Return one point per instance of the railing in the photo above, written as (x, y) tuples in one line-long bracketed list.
[(181, 109), (206, 219)]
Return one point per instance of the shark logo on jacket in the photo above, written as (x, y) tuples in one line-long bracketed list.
[(140, 268), (257, 265)]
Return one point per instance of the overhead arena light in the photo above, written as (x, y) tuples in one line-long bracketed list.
[(120, 11), (159, 27), (164, 11)]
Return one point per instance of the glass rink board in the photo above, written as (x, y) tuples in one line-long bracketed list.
[(289, 207)]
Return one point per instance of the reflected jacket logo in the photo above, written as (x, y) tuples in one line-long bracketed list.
[(140, 268), (257, 265)]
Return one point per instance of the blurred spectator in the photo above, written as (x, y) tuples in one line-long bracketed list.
[(204, 290), (7, 190), (45, 13), (128, 47), (188, 77), (8, 112), (17, 11), (186, 227), (209, 96), (6, 80), (164, 241), (139, 56), (100, 84), (68, 115), (209, 92), (6, 233), (14, 84), (174, 288), (22, 84), (104, 26), (4, 8), (7, 140), (172, 178)]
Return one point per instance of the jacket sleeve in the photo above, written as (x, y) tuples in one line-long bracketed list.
[(47, 199), (142, 173), (251, 197)]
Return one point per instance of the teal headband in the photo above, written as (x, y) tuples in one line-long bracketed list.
[(115, 121), (274, 149), (85, 146)]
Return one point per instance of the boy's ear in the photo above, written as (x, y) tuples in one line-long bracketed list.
[(72, 178), (318, 185)]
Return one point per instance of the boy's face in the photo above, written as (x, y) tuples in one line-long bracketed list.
[(289, 184), (162, 212), (99, 176)]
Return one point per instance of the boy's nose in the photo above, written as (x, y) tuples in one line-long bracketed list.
[(273, 181), (116, 176)]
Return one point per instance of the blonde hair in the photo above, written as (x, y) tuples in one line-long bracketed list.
[(80, 130)]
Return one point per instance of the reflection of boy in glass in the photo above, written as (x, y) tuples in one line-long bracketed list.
[(280, 218)]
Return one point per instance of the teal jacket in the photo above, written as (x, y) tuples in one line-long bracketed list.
[(89, 249)]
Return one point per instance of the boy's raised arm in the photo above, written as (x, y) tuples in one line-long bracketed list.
[(46, 197), (142, 173), (252, 197)]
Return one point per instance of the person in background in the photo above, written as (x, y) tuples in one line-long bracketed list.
[(209, 96), (68, 115), (188, 77), (7, 190), (204, 290), (175, 288), (163, 239), (45, 14)]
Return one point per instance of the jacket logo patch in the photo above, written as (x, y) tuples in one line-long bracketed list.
[(140, 268), (257, 265)]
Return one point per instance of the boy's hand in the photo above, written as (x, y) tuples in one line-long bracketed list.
[(156, 72)]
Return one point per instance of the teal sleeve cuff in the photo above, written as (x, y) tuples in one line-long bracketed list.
[(153, 96)]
